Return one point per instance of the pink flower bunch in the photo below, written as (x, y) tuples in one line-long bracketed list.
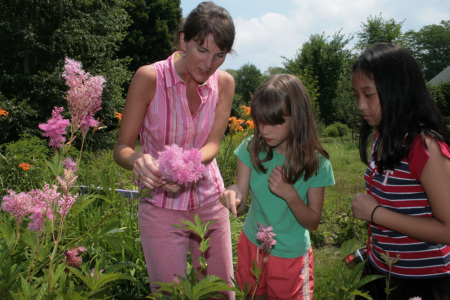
[(19, 205), (84, 96), (36, 203), (55, 128), (73, 256), (69, 164), (180, 166), (42, 202), (265, 236), (65, 203)]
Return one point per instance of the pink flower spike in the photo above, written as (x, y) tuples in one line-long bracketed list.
[(69, 164), (19, 205), (265, 236), (55, 128), (84, 96)]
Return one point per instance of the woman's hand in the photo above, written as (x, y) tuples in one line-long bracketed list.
[(363, 206), (145, 168)]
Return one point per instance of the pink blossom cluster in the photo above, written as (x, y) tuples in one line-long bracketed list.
[(69, 164), (73, 256), (55, 128), (265, 236), (36, 203), (84, 96), (180, 166)]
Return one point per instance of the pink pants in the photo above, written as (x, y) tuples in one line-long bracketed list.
[(165, 246)]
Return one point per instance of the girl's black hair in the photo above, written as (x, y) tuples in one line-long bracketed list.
[(407, 107)]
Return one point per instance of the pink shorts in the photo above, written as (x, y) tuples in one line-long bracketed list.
[(282, 278)]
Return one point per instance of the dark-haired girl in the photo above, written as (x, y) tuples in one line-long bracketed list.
[(407, 203)]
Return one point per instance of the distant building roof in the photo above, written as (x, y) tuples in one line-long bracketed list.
[(441, 77)]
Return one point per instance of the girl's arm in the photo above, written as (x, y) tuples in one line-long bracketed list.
[(308, 215), (435, 180), (222, 114), (235, 196)]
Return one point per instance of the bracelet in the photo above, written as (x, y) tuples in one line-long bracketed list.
[(373, 211)]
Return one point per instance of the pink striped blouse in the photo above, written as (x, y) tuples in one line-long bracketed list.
[(169, 121)]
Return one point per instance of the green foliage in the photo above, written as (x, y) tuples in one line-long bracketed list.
[(37, 35), (430, 47), (377, 30), (336, 129), (325, 59), (151, 33), (248, 78), (29, 150), (337, 280)]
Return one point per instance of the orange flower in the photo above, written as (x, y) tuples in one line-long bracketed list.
[(3, 112), (250, 124), (25, 166), (235, 124), (118, 116), (247, 110)]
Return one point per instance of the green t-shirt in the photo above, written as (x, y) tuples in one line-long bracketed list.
[(292, 239)]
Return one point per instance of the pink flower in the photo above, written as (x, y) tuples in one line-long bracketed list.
[(180, 166), (93, 273), (19, 205), (65, 203), (265, 236), (415, 298), (73, 256), (84, 96), (69, 164), (55, 128)]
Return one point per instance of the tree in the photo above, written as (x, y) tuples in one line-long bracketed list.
[(325, 60), (377, 30), (248, 78), (151, 34), (431, 47), (36, 35)]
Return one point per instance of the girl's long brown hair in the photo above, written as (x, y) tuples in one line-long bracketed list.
[(279, 96)]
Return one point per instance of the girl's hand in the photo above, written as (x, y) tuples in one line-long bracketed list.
[(278, 186), (232, 199), (145, 168), (363, 206)]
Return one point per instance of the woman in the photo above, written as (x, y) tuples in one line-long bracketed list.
[(184, 100)]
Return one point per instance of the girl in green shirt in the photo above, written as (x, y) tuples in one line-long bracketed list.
[(285, 169)]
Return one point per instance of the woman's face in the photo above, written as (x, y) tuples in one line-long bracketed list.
[(202, 60), (367, 98)]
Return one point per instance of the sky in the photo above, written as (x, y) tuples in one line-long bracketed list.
[(268, 30)]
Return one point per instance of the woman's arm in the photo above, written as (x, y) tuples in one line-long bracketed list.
[(140, 94), (235, 196), (222, 115), (435, 180), (308, 215)]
